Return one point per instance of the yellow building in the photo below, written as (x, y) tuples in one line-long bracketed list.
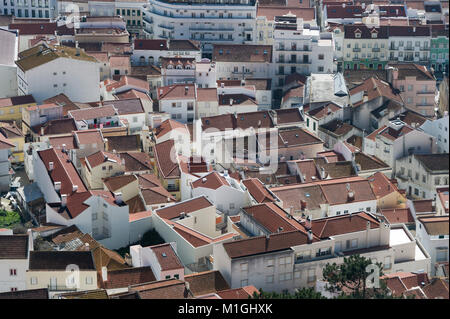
[(15, 136), (11, 107), (99, 166)]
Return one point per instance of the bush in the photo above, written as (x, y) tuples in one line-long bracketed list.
[(8, 219)]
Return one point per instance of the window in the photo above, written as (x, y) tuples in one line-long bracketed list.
[(244, 267), (285, 276), (441, 254), (321, 56), (346, 211), (303, 255), (338, 212), (33, 280), (424, 178), (338, 246), (94, 216), (437, 181), (269, 279), (387, 262), (285, 260), (176, 276), (89, 280), (269, 262), (297, 274), (168, 277), (351, 244), (244, 283), (368, 209), (311, 275), (13, 272)]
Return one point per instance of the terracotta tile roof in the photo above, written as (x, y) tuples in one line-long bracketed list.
[(381, 185), (291, 115), (160, 45), (116, 182), (123, 278), (126, 106), (261, 244), (206, 94), (443, 197), (170, 125), (369, 162), (409, 31), (270, 12), (165, 155), (136, 205), (390, 133), (167, 257), (219, 122), (10, 130), (13, 246), (119, 61), (258, 190), (398, 215), (434, 162), (17, 100), (5, 143), (339, 12), (56, 127), (260, 119), (59, 260), (64, 101), (136, 161), (177, 92), (75, 205), (131, 94), (184, 45), (420, 72), (238, 293), (437, 289), (212, 180), (65, 235), (409, 117), (206, 282), (58, 141), (163, 289), (375, 88), (343, 224), (63, 170), (324, 110), (236, 99), (242, 52), (138, 216), (337, 169), (92, 113), (100, 157), (188, 206), (272, 218), (124, 143), (435, 225), (41, 293), (423, 205), (297, 137), (148, 181), (89, 137), (361, 189)]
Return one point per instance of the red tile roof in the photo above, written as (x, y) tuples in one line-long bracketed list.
[(381, 185), (343, 224), (398, 215), (166, 157), (167, 257), (188, 206), (177, 92), (258, 190), (101, 157), (212, 180)]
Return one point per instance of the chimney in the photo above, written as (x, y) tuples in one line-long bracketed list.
[(350, 195), (310, 236), (42, 130), (64, 148), (182, 215), (343, 5), (63, 200), (303, 204), (186, 89), (280, 229), (50, 166), (104, 273), (323, 173), (446, 204), (267, 241), (414, 29), (204, 179), (57, 186), (74, 188), (118, 197), (231, 102)]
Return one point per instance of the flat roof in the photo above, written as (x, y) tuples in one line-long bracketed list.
[(398, 236)]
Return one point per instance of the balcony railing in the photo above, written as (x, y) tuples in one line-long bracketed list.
[(376, 50), (211, 29), (61, 288), (409, 49), (166, 26), (356, 49), (295, 49)]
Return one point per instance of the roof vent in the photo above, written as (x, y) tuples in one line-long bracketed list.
[(164, 254), (50, 166)]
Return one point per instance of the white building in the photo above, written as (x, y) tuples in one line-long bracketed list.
[(396, 140), (223, 191), (286, 260), (179, 101), (45, 71), (432, 232), (8, 69), (15, 254), (300, 48), (29, 9), (420, 174), (217, 21), (439, 129), (163, 260)]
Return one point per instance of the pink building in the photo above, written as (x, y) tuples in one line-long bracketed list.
[(417, 86)]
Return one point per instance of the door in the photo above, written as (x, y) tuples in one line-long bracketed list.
[(53, 282)]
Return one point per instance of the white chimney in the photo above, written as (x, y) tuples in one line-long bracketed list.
[(63, 200), (104, 273), (446, 204), (64, 148), (50, 166), (118, 197), (74, 188), (57, 186), (204, 180), (182, 215), (310, 235)]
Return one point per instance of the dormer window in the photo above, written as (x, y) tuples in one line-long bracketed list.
[(170, 66), (358, 34), (179, 67), (374, 35)]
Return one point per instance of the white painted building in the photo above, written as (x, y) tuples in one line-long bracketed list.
[(438, 128), (8, 69), (230, 22), (433, 233), (15, 252), (300, 48), (29, 8), (45, 71)]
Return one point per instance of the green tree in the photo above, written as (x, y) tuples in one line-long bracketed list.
[(349, 279), (304, 293)]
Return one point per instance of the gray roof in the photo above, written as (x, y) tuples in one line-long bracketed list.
[(8, 50), (434, 162)]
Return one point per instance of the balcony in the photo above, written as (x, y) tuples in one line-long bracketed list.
[(211, 29), (356, 49), (295, 49), (165, 27), (376, 50), (148, 19), (426, 92), (163, 36), (173, 188), (409, 49), (393, 48), (60, 288), (425, 49), (355, 59)]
